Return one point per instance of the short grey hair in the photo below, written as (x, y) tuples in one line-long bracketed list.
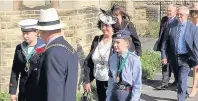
[(186, 9)]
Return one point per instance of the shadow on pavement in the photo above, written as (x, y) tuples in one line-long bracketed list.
[(145, 97)]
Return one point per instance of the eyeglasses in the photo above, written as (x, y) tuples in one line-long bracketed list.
[(180, 14)]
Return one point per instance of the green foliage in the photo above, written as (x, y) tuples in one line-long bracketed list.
[(152, 29), (93, 94), (4, 96), (151, 61)]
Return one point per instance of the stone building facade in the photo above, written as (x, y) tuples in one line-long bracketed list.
[(81, 26), (81, 18)]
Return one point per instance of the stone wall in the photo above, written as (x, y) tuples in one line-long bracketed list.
[(81, 20), (156, 9)]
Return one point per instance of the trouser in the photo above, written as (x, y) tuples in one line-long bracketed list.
[(101, 89), (21, 97), (166, 74), (175, 70), (121, 95), (184, 70)]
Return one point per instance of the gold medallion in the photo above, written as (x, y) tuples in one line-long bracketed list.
[(117, 79), (27, 66)]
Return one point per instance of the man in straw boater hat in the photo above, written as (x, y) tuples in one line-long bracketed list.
[(58, 77)]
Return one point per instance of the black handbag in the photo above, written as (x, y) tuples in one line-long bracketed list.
[(85, 97)]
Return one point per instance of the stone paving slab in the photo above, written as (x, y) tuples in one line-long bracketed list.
[(150, 94)]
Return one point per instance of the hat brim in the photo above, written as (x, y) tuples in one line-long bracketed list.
[(108, 23), (51, 27), (103, 18)]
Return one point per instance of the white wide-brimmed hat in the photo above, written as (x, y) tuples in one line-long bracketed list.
[(49, 20), (106, 19), (28, 25)]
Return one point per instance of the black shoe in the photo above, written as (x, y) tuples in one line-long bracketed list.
[(187, 96), (173, 84), (162, 87)]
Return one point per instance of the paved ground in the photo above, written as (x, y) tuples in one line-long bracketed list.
[(149, 93)]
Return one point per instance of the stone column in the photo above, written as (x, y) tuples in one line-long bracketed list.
[(17, 4), (130, 9)]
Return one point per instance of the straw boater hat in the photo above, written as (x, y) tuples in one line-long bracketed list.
[(49, 20), (28, 25)]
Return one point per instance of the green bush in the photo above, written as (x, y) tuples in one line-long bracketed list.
[(93, 94), (152, 29), (4, 96), (151, 61)]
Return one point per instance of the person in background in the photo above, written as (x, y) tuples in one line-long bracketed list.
[(25, 64), (96, 63), (124, 22), (194, 16), (166, 68), (181, 44), (125, 73)]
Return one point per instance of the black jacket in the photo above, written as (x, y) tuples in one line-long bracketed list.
[(136, 44), (59, 71), (163, 27), (28, 88), (88, 63)]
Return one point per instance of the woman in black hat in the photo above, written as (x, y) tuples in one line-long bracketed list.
[(124, 22), (96, 63)]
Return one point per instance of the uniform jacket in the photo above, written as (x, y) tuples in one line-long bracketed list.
[(169, 43), (58, 77), (131, 74), (28, 80)]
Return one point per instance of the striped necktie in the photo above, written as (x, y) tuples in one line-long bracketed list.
[(178, 35)]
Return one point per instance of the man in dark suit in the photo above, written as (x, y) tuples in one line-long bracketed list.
[(166, 68), (181, 44), (58, 77)]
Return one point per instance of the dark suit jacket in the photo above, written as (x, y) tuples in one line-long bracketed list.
[(88, 63), (58, 78), (168, 44), (28, 88), (163, 25), (136, 44)]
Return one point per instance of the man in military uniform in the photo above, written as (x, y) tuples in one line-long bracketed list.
[(58, 77)]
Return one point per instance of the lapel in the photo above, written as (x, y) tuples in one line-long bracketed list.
[(98, 41), (187, 34), (174, 32), (35, 58)]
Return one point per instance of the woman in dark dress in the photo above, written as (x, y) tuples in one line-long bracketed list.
[(25, 64)]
